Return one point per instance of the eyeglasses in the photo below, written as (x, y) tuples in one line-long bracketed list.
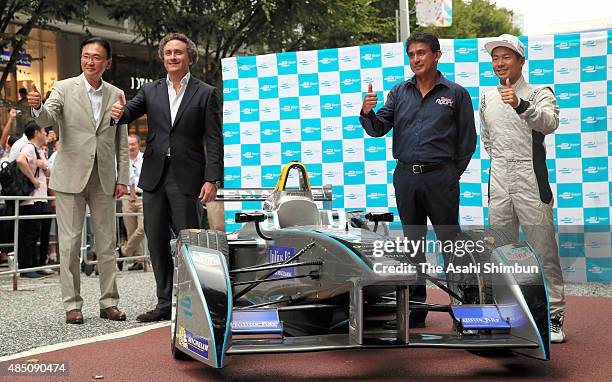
[(95, 58)]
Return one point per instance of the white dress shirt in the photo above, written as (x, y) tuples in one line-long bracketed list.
[(135, 166), (175, 98), (95, 97)]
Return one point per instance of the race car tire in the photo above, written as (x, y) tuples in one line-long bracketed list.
[(208, 238)]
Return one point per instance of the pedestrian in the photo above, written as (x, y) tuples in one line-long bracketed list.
[(514, 118), (433, 141), (90, 170), (181, 171), (134, 225), (33, 165)]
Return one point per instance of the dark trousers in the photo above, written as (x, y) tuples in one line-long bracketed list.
[(45, 228), (29, 233), (165, 209), (434, 194)]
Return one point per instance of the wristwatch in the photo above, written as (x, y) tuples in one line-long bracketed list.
[(217, 184)]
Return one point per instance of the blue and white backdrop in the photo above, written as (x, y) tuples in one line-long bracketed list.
[(305, 106)]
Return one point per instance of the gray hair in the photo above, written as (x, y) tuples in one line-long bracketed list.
[(192, 50)]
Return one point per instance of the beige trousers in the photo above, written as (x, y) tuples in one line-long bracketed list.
[(216, 215), (71, 209), (134, 226)]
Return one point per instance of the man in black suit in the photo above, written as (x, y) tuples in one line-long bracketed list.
[(183, 160)]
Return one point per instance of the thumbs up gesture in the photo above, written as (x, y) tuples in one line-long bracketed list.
[(369, 101), (119, 106), (34, 99), (509, 96)]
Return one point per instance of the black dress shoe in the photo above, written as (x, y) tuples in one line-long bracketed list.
[(31, 275), (136, 267), (87, 268), (153, 316)]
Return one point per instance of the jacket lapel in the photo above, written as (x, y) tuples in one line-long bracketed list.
[(163, 93), (106, 99), (83, 98), (192, 88)]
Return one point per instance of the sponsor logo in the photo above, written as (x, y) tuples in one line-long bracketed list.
[(376, 195), (540, 72), (353, 173), (329, 106), (369, 56), (327, 60), (289, 108), (192, 342), (308, 84), (230, 177), (246, 89), (568, 220), (305, 62), (285, 63), (569, 195), (592, 195), (488, 74), (537, 46), (248, 111), (290, 153), (269, 132), (596, 220), (595, 269), (593, 68), (206, 259), (245, 67), (267, 88), (563, 71), (445, 101), (349, 81), (346, 59), (331, 151), (591, 119), (186, 304), (468, 218), (328, 83), (594, 169), (263, 66), (567, 95), (567, 146), (250, 155), (277, 254), (470, 194), (389, 55)]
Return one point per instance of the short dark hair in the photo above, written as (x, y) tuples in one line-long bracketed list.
[(104, 43), (23, 92), (425, 37), (30, 129), (192, 49), (12, 139)]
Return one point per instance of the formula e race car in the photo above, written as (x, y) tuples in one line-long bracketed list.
[(297, 278)]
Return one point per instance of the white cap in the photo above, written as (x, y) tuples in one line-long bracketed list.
[(506, 40)]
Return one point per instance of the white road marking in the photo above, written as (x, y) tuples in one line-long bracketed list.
[(85, 341)]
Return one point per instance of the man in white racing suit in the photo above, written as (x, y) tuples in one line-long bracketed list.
[(515, 117)]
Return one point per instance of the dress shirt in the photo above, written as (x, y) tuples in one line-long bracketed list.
[(135, 166), (175, 98)]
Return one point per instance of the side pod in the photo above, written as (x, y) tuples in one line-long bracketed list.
[(202, 304)]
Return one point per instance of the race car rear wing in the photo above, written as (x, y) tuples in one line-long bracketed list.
[(319, 194)]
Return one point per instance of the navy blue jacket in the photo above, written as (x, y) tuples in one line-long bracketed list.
[(434, 129)]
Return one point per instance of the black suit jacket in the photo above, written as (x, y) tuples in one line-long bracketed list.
[(197, 127)]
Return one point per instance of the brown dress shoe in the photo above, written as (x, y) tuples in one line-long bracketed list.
[(153, 315), (112, 313), (74, 316)]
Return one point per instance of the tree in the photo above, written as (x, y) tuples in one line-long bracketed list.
[(224, 28), (478, 18), (32, 14)]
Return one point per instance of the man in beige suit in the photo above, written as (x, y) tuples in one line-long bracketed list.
[(91, 169)]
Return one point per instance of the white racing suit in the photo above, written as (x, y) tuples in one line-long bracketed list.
[(519, 192)]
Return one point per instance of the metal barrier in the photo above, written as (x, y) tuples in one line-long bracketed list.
[(13, 256)]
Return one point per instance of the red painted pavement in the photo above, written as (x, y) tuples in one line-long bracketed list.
[(586, 356)]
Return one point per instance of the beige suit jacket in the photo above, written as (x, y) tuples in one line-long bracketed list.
[(68, 109)]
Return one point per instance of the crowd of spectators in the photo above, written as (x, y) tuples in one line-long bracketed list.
[(34, 150)]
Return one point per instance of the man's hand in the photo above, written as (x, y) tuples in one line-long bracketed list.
[(36, 183), (120, 190), (509, 96), (369, 101), (208, 193), (34, 99), (119, 106)]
